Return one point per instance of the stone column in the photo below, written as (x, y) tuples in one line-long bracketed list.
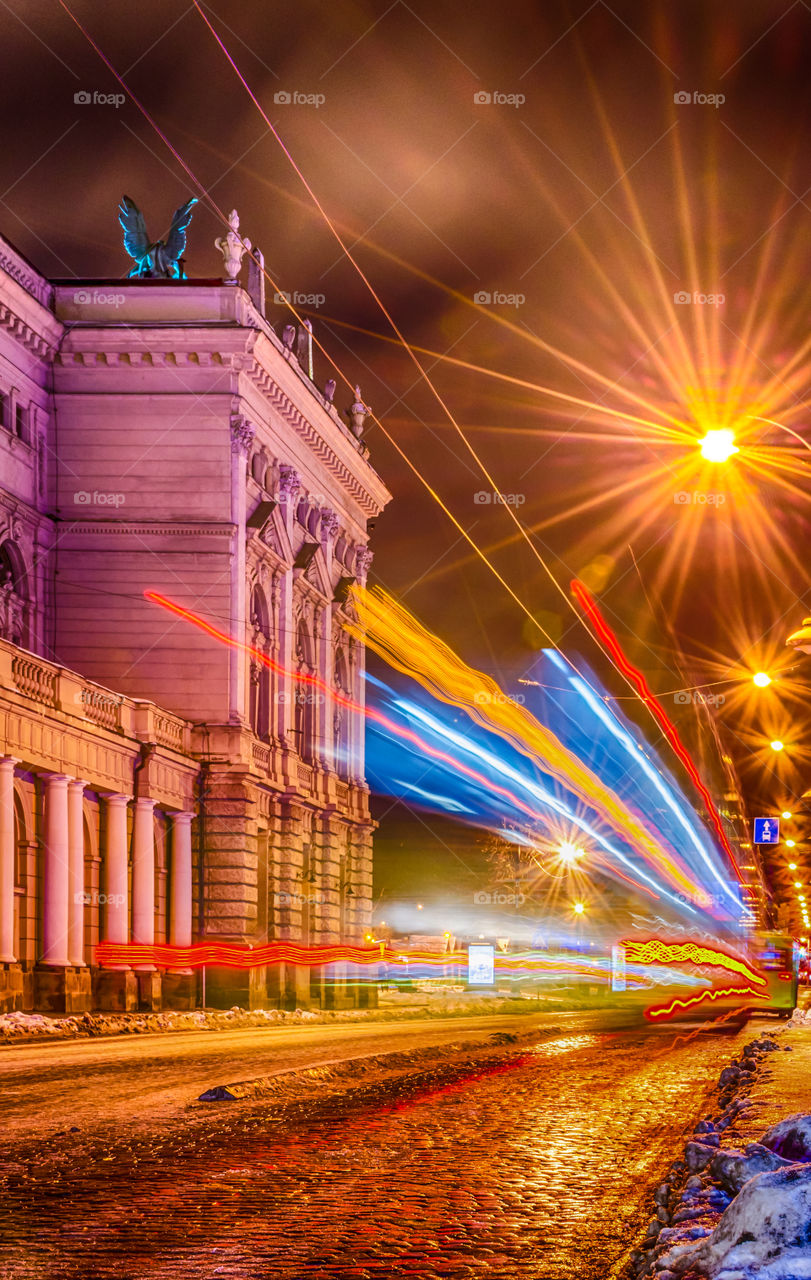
[(180, 906), (143, 873), (7, 852), (76, 902), (242, 434), (116, 913), (56, 877)]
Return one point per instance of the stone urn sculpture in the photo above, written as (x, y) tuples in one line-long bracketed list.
[(233, 249), (358, 413)]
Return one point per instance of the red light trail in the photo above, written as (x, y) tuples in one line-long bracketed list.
[(662, 1012), (631, 673)]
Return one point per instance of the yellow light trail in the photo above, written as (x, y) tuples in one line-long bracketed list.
[(393, 633), (656, 951)]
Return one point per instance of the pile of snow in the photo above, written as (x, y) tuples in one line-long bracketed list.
[(728, 1214), (765, 1234)]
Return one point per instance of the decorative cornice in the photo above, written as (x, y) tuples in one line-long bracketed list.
[(143, 358), (145, 527), (30, 339), (318, 444), (25, 276)]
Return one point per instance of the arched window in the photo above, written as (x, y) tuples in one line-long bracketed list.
[(305, 695), (260, 640), (14, 608)]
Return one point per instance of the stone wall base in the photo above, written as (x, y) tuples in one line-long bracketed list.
[(115, 991), (12, 988), (149, 991), (62, 990), (288, 987), (180, 990), (244, 987)]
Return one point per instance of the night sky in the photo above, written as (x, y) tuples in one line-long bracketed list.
[(582, 199)]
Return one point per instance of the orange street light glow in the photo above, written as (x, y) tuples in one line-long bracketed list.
[(792, 866), (791, 844), (578, 908), (762, 680), (776, 745), (718, 446), (785, 814)]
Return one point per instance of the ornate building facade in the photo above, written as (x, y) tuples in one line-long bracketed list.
[(158, 784)]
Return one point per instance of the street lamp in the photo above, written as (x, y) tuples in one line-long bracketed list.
[(785, 814), (792, 866), (776, 745), (791, 844), (578, 908), (761, 679), (718, 446)]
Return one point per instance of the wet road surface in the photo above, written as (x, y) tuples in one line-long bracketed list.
[(540, 1164)]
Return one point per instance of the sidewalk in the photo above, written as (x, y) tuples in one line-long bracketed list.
[(738, 1205)]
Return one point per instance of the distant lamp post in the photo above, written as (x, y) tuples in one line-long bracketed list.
[(578, 908), (785, 814), (761, 679), (718, 446), (776, 745)]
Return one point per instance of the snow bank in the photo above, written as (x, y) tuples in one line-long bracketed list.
[(765, 1234), (725, 1214)]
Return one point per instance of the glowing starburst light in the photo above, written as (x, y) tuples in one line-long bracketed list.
[(762, 680), (718, 446)]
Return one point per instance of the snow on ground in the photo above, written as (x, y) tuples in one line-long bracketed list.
[(20, 1026)]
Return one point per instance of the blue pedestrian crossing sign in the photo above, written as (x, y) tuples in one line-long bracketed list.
[(767, 830)]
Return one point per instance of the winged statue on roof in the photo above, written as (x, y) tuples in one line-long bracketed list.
[(158, 259)]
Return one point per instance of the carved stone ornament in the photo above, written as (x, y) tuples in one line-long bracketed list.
[(330, 523), (242, 434), (289, 483), (363, 561), (233, 248)]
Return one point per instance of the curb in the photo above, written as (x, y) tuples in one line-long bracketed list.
[(340, 1070)]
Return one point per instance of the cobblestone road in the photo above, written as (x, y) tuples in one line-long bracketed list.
[(540, 1165)]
